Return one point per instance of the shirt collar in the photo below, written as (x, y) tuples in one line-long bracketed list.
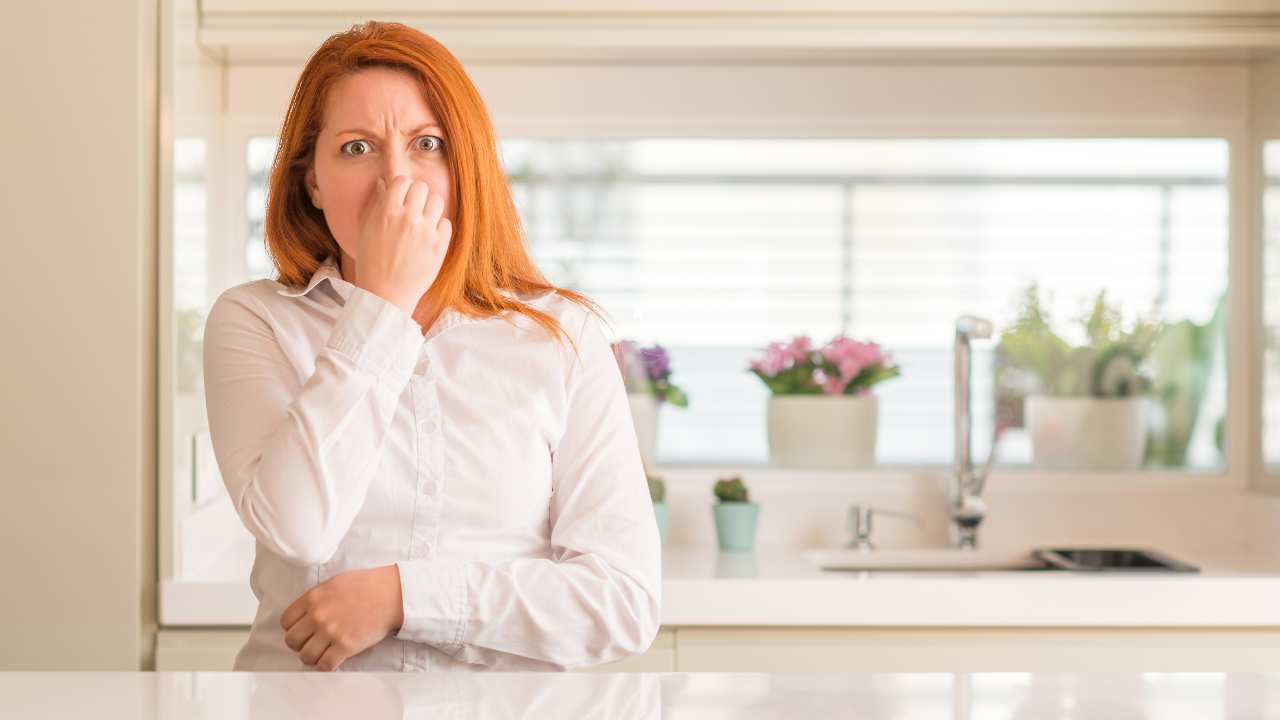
[(329, 270)]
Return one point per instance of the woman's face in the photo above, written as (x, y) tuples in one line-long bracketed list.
[(376, 124)]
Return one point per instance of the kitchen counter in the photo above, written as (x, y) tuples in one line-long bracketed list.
[(622, 696), (779, 587)]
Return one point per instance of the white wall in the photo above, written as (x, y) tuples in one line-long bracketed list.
[(77, 367), (909, 99)]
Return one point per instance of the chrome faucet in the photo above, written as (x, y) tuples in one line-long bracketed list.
[(964, 491), (860, 524)]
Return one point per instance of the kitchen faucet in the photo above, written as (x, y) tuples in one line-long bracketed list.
[(964, 489)]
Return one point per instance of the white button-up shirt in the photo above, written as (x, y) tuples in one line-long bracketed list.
[(500, 474)]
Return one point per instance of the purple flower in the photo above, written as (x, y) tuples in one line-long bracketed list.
[(656, 362), (646, 369)]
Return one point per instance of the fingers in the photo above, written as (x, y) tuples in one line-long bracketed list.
[(445, 229), (397, 190), (330, 659), (433, 209), (416, 196), (292, 614), (314, 648), (299, 635), (371, 202)]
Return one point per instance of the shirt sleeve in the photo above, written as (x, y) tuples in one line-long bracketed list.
[(297, 457), (596, 598)]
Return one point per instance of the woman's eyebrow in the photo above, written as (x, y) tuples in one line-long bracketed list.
[(415, 131)]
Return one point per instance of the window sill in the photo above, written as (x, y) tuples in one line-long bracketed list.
[(1002, 480)]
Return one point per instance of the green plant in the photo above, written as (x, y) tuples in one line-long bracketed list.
[(1181, 362), (1111, 362), (730, 489), (657, 488)]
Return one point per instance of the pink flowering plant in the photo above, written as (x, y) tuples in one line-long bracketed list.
[(843, 366), (648, 370)]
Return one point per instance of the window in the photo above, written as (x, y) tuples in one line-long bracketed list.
[(258, 155), (1271, 337), (715, 247), (192, 453)]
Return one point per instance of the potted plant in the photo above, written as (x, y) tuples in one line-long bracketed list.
[(821, 411), (658, 493), (735, 514), (646, 373), (1181, 362), (1085, 406)]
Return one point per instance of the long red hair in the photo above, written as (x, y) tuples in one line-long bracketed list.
[(487, 251)]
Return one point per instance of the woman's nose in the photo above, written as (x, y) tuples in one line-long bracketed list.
[(395, 164)]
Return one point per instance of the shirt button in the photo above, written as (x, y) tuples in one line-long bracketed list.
[(429, 425), (429, 487)]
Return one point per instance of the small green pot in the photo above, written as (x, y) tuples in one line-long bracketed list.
[(736, 524), (660, 511)]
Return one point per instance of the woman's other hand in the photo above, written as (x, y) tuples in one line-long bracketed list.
[(344, 615)]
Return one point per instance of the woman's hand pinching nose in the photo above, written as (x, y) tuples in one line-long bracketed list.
[(402, 241)]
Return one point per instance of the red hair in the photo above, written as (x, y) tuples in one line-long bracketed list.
[(487, 251)]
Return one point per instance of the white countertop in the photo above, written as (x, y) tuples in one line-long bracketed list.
[(779, 587), (627, 696)]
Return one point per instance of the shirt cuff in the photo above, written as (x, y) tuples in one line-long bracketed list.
[(435, 601), (377, 335)]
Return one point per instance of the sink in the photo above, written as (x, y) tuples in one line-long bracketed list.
[(1127, 560), (1111, 560), (926, 559)]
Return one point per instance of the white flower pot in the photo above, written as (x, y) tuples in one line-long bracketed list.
[(1087, 433), (832, 431), (644, 415)]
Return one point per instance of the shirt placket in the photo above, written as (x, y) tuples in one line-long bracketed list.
[(425, 531)]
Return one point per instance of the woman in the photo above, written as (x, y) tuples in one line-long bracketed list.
[(430, 443)]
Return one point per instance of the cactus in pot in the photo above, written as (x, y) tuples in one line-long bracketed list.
[(731, 489), (735, 515)]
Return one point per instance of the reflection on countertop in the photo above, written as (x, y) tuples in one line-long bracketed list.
[(623, 696)]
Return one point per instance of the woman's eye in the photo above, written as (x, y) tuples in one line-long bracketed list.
[(349, 148), (433, 143)]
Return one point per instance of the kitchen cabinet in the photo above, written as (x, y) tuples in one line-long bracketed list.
[(841, 649)]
